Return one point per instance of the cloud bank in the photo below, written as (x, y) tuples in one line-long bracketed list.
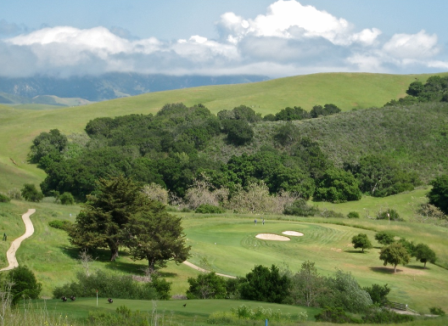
[(288, 39)]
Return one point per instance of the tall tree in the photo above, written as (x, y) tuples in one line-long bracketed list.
[(100, 223), (394, 254), (157, 236)]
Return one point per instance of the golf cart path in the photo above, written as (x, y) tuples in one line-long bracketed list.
[(204, 270), (29, 230)]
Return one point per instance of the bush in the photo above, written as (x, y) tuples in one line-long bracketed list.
[(437, 311), (67, 199), (384, 237), (207, 286), (378, 294), (239, 132), (301, 208), (209, 209), (30, 193), (4, 198), (337, 186), (353, 215), (25, 284), (390, 214), (114, 286), (382, 316), (60, 224), (335, 315)]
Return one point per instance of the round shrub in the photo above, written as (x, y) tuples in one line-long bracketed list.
[(25, 284), (67, 199), (209, 209), (60, 224), (353, 215), (390, 214)]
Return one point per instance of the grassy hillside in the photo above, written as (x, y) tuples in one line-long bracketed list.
[(18, 127)]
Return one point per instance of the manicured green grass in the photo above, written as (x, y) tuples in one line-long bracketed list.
[(18, 127)]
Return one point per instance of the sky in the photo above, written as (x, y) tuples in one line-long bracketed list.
[(210, 37)]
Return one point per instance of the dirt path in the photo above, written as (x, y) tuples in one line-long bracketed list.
[(204, 270), (29, 230)]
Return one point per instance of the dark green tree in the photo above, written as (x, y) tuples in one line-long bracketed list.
[(46, 143), (337, 186), (384, 237), (25, 285), (30, 193), (424, 254), (156, 236), (438, 195), (361, 241), (67, 199), (378, 293), (239, 132), (394, 254), (100, 222), (207, 286), (264, 284)]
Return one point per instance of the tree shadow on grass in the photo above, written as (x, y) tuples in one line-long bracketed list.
[(102, 255), (134, 268), (385, 270), (419, 267), (352, 251)]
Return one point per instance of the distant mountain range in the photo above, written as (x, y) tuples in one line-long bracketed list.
[(82, 90)]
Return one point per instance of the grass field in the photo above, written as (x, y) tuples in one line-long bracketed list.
[(227, 244), (18, 127)]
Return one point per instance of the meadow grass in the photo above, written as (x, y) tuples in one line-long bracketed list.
[(19, 126)]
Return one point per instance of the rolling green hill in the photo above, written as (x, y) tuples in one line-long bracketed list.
[(347, 90)]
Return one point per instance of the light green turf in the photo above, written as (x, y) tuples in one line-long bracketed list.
[(18, 127)]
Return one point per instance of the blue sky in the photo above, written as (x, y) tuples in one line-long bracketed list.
[(274, 38)]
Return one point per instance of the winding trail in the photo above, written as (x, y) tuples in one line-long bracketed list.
[(204, 270), (29, 230)]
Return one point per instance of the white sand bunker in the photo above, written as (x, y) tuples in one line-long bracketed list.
[(270, 236), (293, 233)]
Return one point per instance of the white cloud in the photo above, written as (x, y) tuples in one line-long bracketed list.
[(288, 39), (412, 46)]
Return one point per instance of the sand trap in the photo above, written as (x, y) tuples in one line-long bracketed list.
[(293, 233), (270, 236)]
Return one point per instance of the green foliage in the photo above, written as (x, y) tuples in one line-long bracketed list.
[(25, 284), (301, 208), (437, 311), (327, 109), (307, 286), (361, 241), (409, 245), (289, 114), (61, 224), (287, 134), (353, 215), (424, 254), (389, 214), (438, 195), (67, 199), (380, 176), (47, 143), (378, 293), (207, 286), (4, 198), (209, 209), (394, 254), (30, 193), (384, 237), (335, 315), (337, 186), (263, 284), (239, 132), (108, 285), (100, 223), (383, 316)]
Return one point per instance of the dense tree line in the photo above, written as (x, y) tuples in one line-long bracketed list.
[(166, 149)]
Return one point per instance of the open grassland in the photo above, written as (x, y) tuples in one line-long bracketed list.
[(226, 243), (18, 127)]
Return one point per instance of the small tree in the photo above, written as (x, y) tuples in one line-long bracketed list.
[(156, 192), (394, 254), (361, 241), (67, 199), (25, 284), (306, 285), (423, 253), (438, 196), (385, 238), (378, 293), (30, 193), (207, 286)]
